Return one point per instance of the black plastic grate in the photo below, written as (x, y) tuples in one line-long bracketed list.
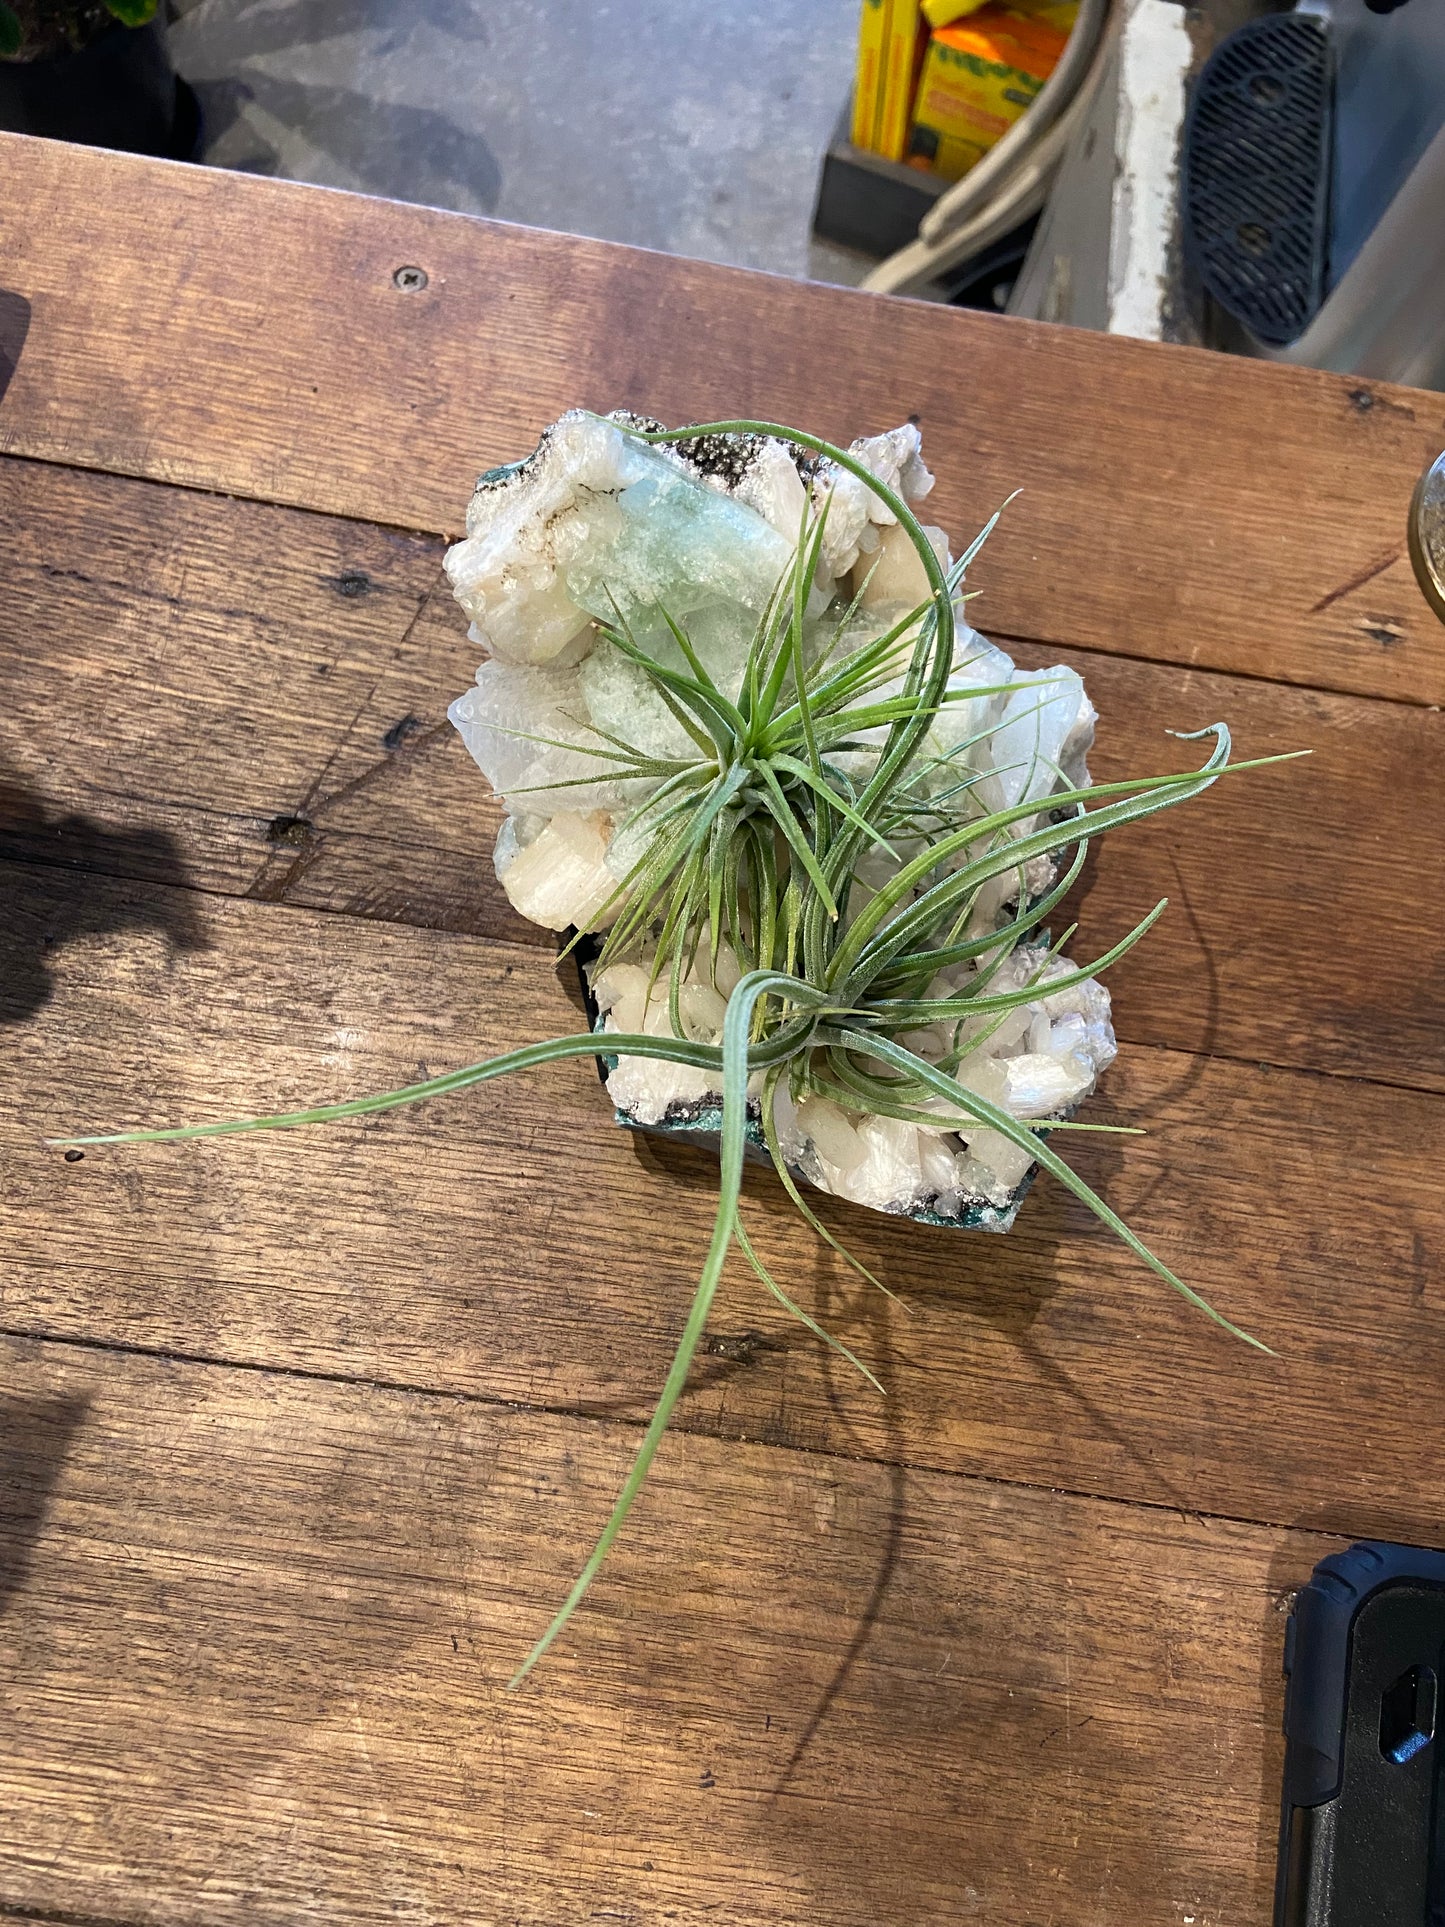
[(1256, 173)]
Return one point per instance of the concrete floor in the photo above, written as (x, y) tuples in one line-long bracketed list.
[(676, 124)]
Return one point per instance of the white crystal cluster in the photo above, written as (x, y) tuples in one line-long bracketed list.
[(597, 523)]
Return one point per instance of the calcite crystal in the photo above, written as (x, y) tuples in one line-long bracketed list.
[(597, 526)]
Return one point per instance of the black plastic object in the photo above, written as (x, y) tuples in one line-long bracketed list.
[(121, 91), (868, 204), (1362, 1821), (1256, 174), (986, 280)]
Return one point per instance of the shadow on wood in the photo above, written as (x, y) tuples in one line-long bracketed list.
[(14, 326), (51, 899), (35, 1436)]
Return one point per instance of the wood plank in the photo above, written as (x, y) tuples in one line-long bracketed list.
[(246, 335), (154, 726), (238, 697), (255, 1674), (511, 1243)]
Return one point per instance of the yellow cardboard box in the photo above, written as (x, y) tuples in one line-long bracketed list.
[(979, 75), (868, 78), (943, 13), (902, 51)]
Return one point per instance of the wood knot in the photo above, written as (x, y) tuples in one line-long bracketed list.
[(398, 733), (294, 830), (741, 1347), (351, 583)]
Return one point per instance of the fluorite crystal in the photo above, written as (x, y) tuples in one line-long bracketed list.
[(597, 524)]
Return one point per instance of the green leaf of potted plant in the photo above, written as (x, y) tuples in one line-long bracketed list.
[(94, 71)]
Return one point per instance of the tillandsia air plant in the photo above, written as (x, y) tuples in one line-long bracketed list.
[(810, 823)]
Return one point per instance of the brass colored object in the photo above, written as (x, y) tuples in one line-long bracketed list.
[(1427, 534)]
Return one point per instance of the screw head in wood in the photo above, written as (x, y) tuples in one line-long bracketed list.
[(410, 280)]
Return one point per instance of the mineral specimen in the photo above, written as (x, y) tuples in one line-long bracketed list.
[(598, 528)]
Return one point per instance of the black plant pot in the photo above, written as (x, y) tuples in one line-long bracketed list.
[(121, 91)]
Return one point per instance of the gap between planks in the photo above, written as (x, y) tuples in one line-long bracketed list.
[(684, 1424), (530, 953), (444, 538), (59, 1917)]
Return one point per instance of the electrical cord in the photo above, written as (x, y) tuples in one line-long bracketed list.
[(1012, 179)]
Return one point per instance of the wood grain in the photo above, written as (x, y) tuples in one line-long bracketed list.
[(238, 697), (512, 1243), (252, 700), (246, 336), (255, 1671)]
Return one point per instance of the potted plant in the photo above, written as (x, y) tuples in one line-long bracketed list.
[(94, 71)]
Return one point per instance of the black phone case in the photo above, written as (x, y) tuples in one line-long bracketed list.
[(1362, 1822)]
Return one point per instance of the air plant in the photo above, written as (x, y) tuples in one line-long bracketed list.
[(755, 837)]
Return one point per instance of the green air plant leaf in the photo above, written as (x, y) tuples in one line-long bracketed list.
[(11, 34), (758, 834), (132, 13)]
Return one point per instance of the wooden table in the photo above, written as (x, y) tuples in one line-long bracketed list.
[(302, 1437)]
